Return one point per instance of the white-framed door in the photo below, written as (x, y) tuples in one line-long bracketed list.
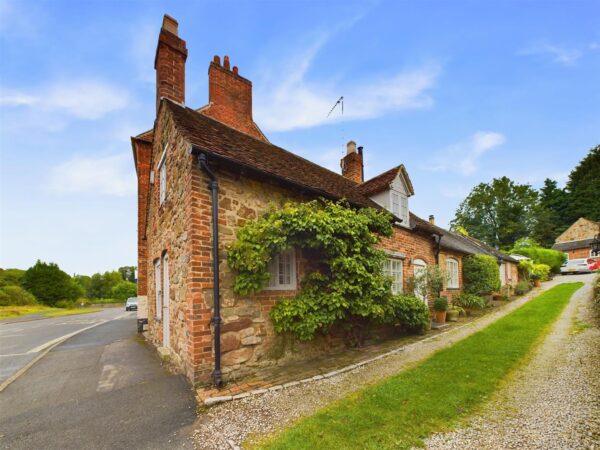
[(418, 267), (165, 304)]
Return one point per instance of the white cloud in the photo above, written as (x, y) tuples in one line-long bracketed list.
[(82, 99), (463, 157), (142, 49), (107, 175), (558, 53), (293, 102)]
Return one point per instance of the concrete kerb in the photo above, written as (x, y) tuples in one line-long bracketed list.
[(211, 401)]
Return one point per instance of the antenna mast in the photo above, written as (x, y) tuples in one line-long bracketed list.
[(339, 102)]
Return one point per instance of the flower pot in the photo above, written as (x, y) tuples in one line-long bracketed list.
[(537, 283), (440, 316), (452, 316)]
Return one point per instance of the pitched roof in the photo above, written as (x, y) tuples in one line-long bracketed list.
[(382, 181), (572, 245), (226, 143)]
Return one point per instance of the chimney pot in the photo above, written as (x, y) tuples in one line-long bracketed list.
[(217, 60), (170, 24), (432, 219), (235, 70), (226, 62), (350, 147)]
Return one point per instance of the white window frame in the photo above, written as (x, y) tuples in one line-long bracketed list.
[(452, 273), (399, 206), (162, 176), (158, 289), (394, 268), (278, 269)]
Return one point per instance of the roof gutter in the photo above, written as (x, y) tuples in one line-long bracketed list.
[(217, 375)]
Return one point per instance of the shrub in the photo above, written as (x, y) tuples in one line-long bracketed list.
[(525, 268), (408, 311), (469, 301), (16, 296), (480, 274), (67, 304), (597, 288), (522, 287), (440, 304), (429, 281), (539, 255), (11, 277), (540, 272)]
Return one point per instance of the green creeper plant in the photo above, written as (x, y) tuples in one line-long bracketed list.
[(345, 282)]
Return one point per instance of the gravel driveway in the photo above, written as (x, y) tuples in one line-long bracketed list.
[(227, 425), (552, 402)]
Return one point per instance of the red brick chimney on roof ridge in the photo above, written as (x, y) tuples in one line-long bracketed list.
[(352, 163), (169, 63), (230, 97)]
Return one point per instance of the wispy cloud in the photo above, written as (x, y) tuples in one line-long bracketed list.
[(557, 53), (107, 175), (82, 99), (142, 48), (292, 101), (464, 156)]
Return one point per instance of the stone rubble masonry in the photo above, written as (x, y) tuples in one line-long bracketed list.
[(580, 230), (169, 63)]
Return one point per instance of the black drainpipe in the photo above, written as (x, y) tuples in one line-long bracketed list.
[(214, 187), (438, 242)]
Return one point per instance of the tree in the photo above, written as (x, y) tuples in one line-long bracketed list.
[(128, 273), (101, 284), (583, 188), (124, 290), (49, 284), (498, 213), (551, 217)]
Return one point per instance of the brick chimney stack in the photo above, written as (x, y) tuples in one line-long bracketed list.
[(432, 219), (169, 63), (230, 97), (352, 163)]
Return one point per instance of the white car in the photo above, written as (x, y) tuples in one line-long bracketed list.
[(574, 266)]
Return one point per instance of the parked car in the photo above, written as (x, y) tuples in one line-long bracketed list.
[(131, 304), (579, 265), (594, 263)]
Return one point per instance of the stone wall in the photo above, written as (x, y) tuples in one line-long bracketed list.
[(580, 230)]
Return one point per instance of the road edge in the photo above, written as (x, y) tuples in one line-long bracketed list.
[(19, 373)]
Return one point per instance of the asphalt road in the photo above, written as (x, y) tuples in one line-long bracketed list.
[(23, 338), (101, 389)]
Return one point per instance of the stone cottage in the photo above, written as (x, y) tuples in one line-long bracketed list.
[(204, 172), (576, 241)]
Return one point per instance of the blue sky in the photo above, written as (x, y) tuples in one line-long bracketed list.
[(458, 91)]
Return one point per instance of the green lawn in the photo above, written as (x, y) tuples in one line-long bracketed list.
[(434, 396), (16, 311)]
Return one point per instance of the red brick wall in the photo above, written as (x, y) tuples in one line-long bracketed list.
[(352, 167), (230, 98), (169, 64), (143, 150), (451, 293), (579, 253)]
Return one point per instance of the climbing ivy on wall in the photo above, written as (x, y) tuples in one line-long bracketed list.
[(345, 281)]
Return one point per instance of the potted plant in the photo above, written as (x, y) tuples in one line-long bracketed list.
[(536, 278), (453, 313), (440, 307)]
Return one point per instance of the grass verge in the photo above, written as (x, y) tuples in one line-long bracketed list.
[(403, 410), (7, 312)]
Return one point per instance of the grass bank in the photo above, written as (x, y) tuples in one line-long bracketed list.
[(434, 396), (7, 312)]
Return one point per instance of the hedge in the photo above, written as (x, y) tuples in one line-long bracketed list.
[(481, 275), (552, 258)]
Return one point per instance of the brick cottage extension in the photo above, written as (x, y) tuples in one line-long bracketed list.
[(190, 152)]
